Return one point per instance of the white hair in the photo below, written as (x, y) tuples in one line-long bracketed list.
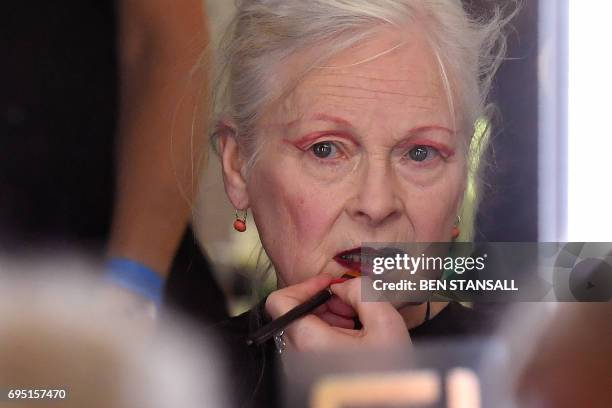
[(264, 33)]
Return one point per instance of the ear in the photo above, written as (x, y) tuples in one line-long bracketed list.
[(233, 166)]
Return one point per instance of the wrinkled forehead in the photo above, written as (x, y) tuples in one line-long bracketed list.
[(392, 74)]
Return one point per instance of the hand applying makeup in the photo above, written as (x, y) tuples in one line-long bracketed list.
[(331, 326)]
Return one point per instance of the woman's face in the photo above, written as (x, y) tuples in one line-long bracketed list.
[(359, 152)]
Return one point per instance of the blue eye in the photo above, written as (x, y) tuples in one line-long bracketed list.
[(422, 153), (323, 150)]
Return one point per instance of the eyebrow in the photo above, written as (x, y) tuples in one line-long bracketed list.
[(321, 116), (425, 128), (343, 122), (330, 118)]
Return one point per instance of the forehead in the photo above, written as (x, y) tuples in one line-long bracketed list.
[(394, 73)]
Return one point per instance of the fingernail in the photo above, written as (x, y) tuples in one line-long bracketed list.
[(338, 280)]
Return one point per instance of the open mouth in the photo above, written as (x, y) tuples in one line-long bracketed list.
[(360, 259)]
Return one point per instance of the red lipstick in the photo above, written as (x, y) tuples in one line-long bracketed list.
[(358, 260), (350, 259)]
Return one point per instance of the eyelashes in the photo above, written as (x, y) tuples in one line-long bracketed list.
[(325, 150), (329, 148), (329, 158), (422, 153)]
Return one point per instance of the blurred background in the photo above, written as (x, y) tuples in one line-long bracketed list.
[(60, 112)]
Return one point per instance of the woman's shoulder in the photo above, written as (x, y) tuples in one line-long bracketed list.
[(457, 320), (234, 333)]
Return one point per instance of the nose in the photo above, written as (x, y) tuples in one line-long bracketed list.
[(376, 201)]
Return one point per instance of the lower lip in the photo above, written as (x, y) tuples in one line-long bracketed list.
[(361, 268)]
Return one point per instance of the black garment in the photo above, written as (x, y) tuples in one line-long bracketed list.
[(191, 288), (253, 369), (58, 115)]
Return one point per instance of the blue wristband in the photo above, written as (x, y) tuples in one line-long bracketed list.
[(136, 277)]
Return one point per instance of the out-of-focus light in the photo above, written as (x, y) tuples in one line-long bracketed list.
[(589, 114)]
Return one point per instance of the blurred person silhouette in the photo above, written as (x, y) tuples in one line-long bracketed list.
[(164, 65), (80, 73), (59, 335)]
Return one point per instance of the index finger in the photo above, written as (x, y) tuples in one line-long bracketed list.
[(283, 300)]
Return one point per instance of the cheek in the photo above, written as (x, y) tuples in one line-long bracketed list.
[(433, 209), (293, 217), (311, 214)]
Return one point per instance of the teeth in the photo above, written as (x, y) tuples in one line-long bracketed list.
[(352, 257)]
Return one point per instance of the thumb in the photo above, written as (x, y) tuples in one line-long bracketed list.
[(379, 318)]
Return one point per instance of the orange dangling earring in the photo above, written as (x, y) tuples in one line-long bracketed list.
[(456, 231), (240, 222)]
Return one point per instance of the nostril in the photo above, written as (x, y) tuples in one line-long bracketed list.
[(377, 216), (377, 200)]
